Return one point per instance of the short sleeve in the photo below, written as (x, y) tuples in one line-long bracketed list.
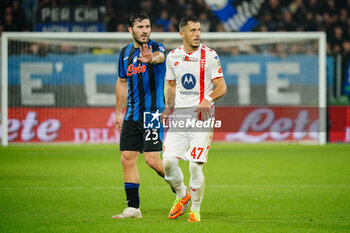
[(158, 47), (121, 70), (215, 69), (169, 75)]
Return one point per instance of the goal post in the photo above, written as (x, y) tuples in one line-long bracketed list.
[(55, 74), (322, 89), (4, 86)]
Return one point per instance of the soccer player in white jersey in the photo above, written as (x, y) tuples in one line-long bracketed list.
[(192, 72)]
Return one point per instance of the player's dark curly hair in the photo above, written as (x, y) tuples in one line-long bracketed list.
[(184, 21), (137, 17)]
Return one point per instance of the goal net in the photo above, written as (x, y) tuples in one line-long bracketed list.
[(60, 87)]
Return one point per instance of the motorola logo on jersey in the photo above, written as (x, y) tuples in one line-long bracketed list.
[(188, 81)]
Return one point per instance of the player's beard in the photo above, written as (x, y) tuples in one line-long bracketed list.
[(138, 41), (195, 46)]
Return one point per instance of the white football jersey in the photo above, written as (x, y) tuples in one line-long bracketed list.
[(193, 74)]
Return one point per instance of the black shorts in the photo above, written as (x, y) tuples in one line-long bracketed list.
[(134, 137)]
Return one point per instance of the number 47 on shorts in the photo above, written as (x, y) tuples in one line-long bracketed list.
[(197, 152)]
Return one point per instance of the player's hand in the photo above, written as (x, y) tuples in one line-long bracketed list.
[(118, 121), (164, 118), (203, 112), (146, 54)]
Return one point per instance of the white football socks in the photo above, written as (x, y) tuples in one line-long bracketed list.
[(197, 185), (174, 176)]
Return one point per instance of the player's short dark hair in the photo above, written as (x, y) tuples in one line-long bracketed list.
[(184, 20), (137, 17)]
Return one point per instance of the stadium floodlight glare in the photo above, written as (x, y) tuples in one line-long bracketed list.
[(34, 74)]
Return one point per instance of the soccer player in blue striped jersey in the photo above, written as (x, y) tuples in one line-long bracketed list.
[(141, 83)]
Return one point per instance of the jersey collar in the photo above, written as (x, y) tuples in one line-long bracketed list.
[(189, 54)]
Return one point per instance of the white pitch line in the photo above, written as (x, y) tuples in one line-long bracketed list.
[(165, 186)]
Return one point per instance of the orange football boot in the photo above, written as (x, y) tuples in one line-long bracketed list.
[(179, 205), (194, 216)]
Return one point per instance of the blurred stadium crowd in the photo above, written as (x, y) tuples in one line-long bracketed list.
[(331, 16)]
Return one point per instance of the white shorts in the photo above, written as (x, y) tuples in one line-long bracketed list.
[(188, 146)]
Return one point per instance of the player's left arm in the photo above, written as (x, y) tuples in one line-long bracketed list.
[(148, 56), (157, 57), (219, 91)]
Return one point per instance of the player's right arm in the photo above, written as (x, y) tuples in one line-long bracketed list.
[(170, 101), (170, 91), (121, 93)]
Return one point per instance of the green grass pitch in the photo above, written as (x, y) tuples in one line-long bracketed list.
[(249, 188)]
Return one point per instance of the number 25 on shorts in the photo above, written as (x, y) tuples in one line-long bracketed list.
[(197, 152)]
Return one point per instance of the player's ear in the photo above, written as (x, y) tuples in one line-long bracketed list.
[(182, 34), (130, 29)]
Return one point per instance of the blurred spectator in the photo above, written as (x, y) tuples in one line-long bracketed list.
[(2, 28), (157, 28), (147, 7), (310, 22), (111, 19), (346, 50), (121, 28), (220, 28), (331, 16), (164, 20), (298, 10), (180, 8), (174, 24), (172, 28), (18, 15), (287, 24), (263, 28), (162, 5), (275, 10), (336, 40), (201, 7), (268, 22), (28, 7), (314, 6), (205, 22), (188, 11), (9, 23), (343, 17), (330, 11)]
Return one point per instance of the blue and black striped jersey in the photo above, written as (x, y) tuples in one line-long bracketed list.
[(146, 81)]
